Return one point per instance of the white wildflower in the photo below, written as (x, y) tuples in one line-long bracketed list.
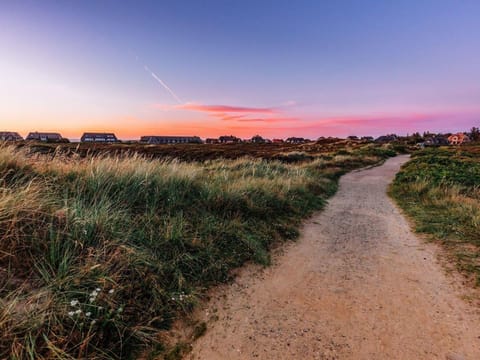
[(87, 314), (98, 290), (93, 322), (111, 291), (92, 299), (74, 302), (78, 312), (71, 313)]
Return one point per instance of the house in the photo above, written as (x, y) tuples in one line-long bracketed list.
[(277, 141), (257, 139), (352, 137), (367, 138), (386, 138), (212, 141), (435, 141), (458, 139), (99, 137), (45, 137), (171, 139), (229, 139), (296, 140), (10, 136)]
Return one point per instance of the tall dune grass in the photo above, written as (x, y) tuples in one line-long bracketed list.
[(99, 254)]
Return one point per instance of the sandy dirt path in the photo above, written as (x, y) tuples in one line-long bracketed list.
[(357, 285)]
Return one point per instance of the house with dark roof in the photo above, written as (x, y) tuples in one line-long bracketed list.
[(386, 138), (151, 139), (10, 136), (257, 139), (45, 137), (296, 140), (90, 137), (436, 140), (229, 139), (212, 141)]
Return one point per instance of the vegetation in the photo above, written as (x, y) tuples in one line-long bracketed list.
[(440, 189), (99, 253)]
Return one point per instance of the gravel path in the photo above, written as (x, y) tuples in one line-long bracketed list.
[(357, 285)]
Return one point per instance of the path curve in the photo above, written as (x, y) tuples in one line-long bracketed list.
[(357, 285)]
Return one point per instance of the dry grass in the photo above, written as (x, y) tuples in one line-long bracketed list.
[(99, 253)]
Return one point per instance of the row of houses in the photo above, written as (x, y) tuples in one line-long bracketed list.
[(56, 137), (257, 139), (91, 137)]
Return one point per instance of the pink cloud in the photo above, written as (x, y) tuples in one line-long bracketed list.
[(225, 109), (269, 120)]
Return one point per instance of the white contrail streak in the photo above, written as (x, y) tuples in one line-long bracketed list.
[(160, 81)]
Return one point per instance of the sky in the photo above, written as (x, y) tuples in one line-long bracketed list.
[(277, 68)]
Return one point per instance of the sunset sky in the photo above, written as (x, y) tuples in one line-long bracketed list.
[(273, 67)]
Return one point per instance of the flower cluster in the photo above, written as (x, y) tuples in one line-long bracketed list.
[(93, 295), (81, 312), (182, 297)]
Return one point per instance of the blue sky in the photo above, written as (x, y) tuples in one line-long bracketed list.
[(321, 67)]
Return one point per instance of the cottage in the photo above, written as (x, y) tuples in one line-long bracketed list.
[(435, 141), (386, 138), (10, 136), (229, 139), (458, 139), (171, 140), (212, 141), (257, 139), (367, 138), (99, 137), (296, 140), (277, 141), (352, 137), (45, 137)]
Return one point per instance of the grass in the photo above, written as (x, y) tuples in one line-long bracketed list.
[(440, 189), (100, 253)]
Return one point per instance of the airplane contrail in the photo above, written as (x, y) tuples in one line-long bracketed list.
[(160, 81)]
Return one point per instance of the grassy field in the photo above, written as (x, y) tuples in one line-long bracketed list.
[(440, 189), (99, 253)]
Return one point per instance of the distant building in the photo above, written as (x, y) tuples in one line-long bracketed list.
[(45, 137), (386, 138), (257, 139), (99, 137), (171, 140), (353, 137), (367, 138), (435, 141), (296, 140), (229, 139), (277, 141), (458, 139), (212, 141), (10, 136)]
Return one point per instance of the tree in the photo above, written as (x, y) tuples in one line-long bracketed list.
[(474, 134)]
